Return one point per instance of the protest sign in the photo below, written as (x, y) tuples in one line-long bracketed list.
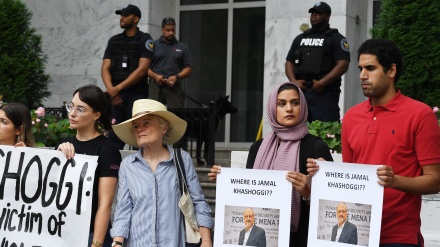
[(348, 192), (45, 199), (268, 193)]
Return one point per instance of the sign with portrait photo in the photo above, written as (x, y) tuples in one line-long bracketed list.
[(346, 205), (247, 198)]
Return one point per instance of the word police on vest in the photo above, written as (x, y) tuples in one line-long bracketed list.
[(312, 42)]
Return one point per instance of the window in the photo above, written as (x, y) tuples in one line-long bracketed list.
[(227, 46)]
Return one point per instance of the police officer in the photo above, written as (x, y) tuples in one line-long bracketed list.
[(125, 66), (171, 63), (316, 61)]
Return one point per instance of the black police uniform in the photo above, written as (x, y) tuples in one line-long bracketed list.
[(314, 54), (124, 53), (169, 59)]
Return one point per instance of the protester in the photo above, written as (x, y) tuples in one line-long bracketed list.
[(398, 133), (316, 61), (90, 113), (287, 147), (147, 212), (16, 125)]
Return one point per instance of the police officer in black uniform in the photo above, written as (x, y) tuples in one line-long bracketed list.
[(316, 61), (127, 59)]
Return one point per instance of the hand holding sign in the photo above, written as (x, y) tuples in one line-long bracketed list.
[(299, 181), (213, 172), (385, 175)]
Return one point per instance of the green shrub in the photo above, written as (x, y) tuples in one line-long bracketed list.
[(330, 132), (22, 62), (414, 27), (48, 129)]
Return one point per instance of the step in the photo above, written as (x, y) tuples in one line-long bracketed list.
[(208, 187)]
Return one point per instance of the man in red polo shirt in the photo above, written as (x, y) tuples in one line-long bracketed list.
[(398, 132)]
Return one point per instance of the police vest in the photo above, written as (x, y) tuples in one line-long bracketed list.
[(121, 48), (313, 58)]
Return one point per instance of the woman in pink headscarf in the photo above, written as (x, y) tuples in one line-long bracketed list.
[(287, 147)]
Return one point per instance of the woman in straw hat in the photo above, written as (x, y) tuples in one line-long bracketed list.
[(287, 147), (147, 212), (90, 111)]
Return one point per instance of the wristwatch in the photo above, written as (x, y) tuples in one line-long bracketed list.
[(116, 243), (177, 76)]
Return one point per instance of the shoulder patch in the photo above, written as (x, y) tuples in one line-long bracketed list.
[(150, 45), (344, 45)]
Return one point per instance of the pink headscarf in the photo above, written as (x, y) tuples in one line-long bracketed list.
[(280, 147)]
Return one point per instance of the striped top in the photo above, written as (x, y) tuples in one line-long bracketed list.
[(147, 211)]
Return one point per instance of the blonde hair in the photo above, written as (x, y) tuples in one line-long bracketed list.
[(163, 124)]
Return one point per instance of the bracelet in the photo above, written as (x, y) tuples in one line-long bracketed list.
[(177, 76), (96, 243), (307, 199), (116, 243)]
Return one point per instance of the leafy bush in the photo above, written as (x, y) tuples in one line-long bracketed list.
[(330, 132), (48, 129), (22, 62), (405, 22), (437, 113)]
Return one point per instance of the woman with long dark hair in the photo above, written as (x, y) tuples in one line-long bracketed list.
[(16, 125), (90, 114)]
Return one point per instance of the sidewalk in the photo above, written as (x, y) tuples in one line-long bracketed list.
[(430, 220)]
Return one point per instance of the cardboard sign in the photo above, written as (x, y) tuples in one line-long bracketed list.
[(45, 199)]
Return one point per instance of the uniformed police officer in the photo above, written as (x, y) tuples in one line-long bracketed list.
[(171, 63), (316, 61), (127, 59)]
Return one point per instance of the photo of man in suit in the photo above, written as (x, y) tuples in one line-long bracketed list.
[(344, 231), (252, 235)]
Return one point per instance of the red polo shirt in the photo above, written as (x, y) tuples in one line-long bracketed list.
[(404, 134)]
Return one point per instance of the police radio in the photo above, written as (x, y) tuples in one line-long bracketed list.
[(124, 62), (297, 57)]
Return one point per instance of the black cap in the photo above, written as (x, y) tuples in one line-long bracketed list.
[(321, 7), (130, 10)]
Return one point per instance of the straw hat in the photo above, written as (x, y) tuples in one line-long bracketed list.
[(142, 107)]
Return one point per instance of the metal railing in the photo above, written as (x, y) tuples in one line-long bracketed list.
[(59, 113), (198, 119)]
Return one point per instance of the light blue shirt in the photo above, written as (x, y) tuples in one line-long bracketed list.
[(147, 212)]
